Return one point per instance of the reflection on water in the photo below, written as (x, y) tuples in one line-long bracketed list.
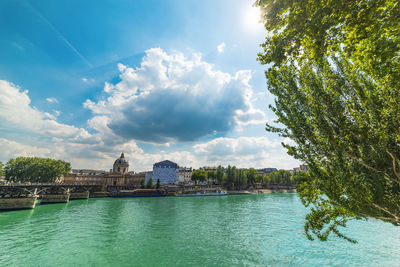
[(204, 231)]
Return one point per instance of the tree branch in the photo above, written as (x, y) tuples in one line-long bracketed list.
[(396, 218), (394, 164), (361, 162)]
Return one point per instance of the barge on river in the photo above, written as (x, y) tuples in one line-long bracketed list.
[(202, 193), (139, 193)]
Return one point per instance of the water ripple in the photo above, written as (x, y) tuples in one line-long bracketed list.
[(255, 230)]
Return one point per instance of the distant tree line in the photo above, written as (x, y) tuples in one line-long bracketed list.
[(237, 178), (35, 169)]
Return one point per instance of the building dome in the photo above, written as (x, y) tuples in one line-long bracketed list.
[(121, 160), (121, 165)]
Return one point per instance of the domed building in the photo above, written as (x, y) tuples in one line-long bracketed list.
[(119, 175), (121, 165)]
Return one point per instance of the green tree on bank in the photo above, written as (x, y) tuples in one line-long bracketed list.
[(220, 174), (236, 178), (199, 176), (334, 67), (149, 184), (251, 175), (2, 173), (158, 184), (211, 176), (35, 170), (281, 176)]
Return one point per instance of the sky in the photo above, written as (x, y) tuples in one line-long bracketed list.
[(83, 81)]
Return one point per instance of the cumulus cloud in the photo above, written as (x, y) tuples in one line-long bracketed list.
[(52, 138), (244, 152), (16, 111), (221, 47), (11, 149), (170, 98), (100, 148), (84, 79), (51, 100)]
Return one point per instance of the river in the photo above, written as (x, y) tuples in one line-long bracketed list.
[(241, 230)]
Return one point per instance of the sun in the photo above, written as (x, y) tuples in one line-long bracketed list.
[(252, 18)]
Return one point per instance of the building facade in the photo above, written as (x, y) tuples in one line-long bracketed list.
[(166, 171), (185, 175), (119, 175)]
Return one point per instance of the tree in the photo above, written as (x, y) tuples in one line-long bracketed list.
[(142, 184), (230, 176), (35, 170), (335, 72), (199, 176), (149, 184), (280, 177), (158, 183), (211, 175), (259, 178), (220, 175), (251, 175), (2, 173), (241, 179)]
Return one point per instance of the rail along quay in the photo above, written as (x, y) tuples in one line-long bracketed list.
[(15, 197)]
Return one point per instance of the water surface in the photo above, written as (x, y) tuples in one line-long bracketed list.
[(250, 230)]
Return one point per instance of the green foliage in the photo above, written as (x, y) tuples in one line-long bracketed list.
[(259, 178), (220, 175), (251, 175), (280, 177), (334, 67), (199, 176), (2, 173), (211, 175), (35, 170), (158, 183), (230, 175), (142, 184), (240, 179), (149, 184)]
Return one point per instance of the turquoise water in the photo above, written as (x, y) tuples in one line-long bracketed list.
[(251, 230)]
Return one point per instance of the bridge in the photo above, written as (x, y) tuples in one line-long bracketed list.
[(21, 196)]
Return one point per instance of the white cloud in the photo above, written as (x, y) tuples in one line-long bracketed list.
[(244, 152), (171, 98), (168, 98), (221, 47), (51, 100), (84, 79), (52, 138), (16, 111), (11, 149)]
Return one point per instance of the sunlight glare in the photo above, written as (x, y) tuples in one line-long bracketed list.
[(252, 18)]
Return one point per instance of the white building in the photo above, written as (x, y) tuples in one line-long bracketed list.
[(185, 174), (167, 171)]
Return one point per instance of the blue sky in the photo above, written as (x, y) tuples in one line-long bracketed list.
[(85, 80)]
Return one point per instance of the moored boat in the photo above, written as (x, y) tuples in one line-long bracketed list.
[(139, 193), (202, 193)]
